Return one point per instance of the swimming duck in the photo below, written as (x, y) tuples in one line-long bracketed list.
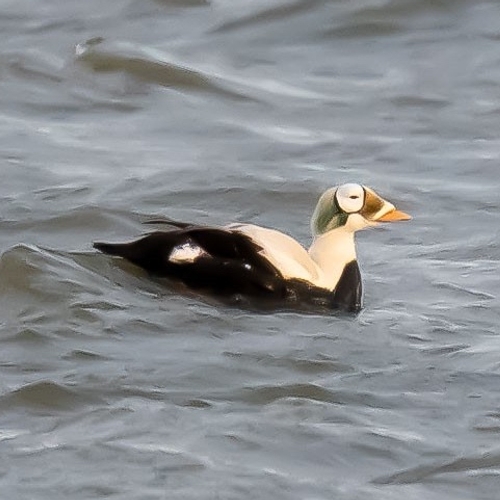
[(245, 260)]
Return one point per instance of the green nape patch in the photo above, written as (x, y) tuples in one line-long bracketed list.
[(327, 215)]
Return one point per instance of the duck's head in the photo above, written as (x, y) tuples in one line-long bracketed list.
[(353, 207)]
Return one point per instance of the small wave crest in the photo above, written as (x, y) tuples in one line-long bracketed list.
[(46, 395), (149, 66)]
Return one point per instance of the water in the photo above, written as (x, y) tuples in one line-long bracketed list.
[(217, 111)]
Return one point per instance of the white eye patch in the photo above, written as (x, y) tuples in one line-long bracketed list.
[(350, 197)]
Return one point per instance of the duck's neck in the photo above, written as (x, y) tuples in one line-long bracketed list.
[(332, 251)]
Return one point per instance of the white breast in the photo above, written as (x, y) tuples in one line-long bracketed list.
[(332, 251)]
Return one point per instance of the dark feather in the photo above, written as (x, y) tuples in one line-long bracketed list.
[(348, 293), (232, 263), (169, 222)]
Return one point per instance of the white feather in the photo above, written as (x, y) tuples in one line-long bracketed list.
[(186, 254), (332, 251)]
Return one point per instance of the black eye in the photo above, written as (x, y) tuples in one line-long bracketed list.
[(354, 197)]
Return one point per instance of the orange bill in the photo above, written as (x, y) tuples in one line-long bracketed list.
[(394, 215)]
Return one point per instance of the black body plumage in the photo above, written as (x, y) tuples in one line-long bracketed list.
[(230, 265)]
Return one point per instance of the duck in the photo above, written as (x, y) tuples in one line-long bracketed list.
[(246, 261)]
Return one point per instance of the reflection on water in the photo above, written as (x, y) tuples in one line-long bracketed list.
[(114, 385)]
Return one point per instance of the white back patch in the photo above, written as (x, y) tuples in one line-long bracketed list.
[(186, 253)]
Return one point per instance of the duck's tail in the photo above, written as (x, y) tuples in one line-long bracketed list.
[(118, 249)]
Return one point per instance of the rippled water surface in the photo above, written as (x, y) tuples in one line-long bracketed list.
[(113, 386)]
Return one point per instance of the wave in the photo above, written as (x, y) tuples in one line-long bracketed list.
[(149, 66), (490, 460), (45, 395)]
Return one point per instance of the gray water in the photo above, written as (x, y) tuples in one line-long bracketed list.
[(112, 386)]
